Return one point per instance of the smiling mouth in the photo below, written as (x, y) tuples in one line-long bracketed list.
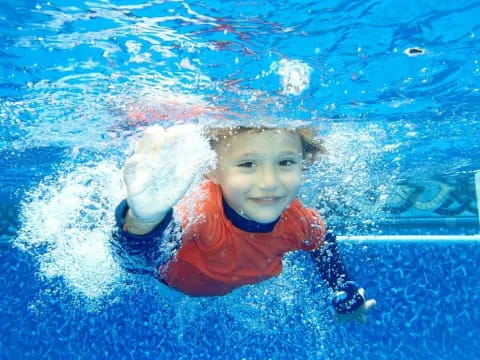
[(267, 200)]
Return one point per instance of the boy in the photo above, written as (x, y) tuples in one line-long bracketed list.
[(237, 225)]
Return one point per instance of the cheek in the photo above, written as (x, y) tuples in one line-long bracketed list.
[(234, 183), (293, 180)]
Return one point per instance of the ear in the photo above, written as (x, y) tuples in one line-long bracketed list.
[(212, 176)]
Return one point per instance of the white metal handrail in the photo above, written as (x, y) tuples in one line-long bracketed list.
[(411, 238), (477, 190)]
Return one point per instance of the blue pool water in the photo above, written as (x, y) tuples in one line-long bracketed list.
[(78, 83), (427, 308)]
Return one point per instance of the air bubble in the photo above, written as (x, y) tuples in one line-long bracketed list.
[(414, 51)]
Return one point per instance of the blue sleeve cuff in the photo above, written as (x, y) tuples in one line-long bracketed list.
[(120, 213), (329, 263), (139, 253), (347, 299)]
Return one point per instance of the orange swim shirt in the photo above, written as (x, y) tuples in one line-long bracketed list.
[(216, 257)]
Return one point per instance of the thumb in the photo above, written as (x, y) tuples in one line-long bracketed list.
[(135, 175), (369, 304)]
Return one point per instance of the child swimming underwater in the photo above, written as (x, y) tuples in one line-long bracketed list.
[(238, 224)]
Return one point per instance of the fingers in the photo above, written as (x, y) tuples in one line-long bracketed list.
[(340, 318), (156, 137), (355, 316), (369, 304), (150, 140), (130, 167), (184, 130), (361, 291), (135, 174), (359, 315)]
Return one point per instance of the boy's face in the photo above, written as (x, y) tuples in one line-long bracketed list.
[(259, 172)]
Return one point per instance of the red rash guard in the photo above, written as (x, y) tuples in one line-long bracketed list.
[(216, 257)]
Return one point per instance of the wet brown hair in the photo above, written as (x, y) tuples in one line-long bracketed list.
[(312, 147)]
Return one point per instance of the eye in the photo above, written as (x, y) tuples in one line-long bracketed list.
[(247, 164), (287, 162)]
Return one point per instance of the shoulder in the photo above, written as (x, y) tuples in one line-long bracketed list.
[(200, 213), (204, 198), (305, 221), (303, 213)]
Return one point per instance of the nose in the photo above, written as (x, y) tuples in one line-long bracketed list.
[(267, 178)]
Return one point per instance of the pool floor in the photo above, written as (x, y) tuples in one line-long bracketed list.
[(427, 295)]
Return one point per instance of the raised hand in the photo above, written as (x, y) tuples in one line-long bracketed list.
[(360, 314), (166, 162)]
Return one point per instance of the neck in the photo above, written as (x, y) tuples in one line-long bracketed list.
[(244, 224)]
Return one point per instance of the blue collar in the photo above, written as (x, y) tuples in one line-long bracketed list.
[(244, 224)]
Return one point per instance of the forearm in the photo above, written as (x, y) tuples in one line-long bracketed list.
[(333, 271), (329, 263), (138, 227), (137, 252)]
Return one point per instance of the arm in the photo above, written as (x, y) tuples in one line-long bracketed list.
[(157, 176), (141, 253), (349, 298), (138, 227)]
